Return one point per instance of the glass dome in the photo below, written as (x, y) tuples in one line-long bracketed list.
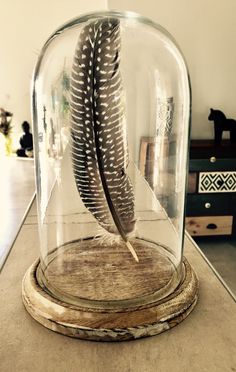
[(111, 110)]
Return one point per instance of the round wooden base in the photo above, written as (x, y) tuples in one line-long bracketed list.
[(110, 325)]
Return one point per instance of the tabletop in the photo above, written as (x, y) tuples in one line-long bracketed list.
[(205, 341)]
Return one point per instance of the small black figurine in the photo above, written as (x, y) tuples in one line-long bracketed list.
[(221, 123), (26, 142)]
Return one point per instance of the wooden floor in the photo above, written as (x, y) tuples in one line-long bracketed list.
[(17, 187)]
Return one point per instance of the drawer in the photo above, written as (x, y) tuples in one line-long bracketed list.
[(211, 164), (207, 149), (212, 182), (209, 225), (208, 205)]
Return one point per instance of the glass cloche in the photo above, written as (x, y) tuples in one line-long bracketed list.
[(111, 112)]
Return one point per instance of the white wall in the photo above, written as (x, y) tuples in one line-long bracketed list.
[(206, 33), (204, 29), (24, 27)]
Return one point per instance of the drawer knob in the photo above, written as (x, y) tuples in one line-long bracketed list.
[(213, 159), (207, 205)]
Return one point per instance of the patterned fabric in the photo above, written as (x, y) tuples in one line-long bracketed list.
[(165, 112)]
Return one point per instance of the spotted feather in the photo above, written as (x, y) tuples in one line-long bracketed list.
[(99, 145)]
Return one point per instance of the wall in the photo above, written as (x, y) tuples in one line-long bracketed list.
[(25, 25), (205, 31)]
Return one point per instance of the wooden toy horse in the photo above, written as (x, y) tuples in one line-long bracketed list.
[(221, 123)]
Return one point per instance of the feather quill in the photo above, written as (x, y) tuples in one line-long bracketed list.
[(99, 144)]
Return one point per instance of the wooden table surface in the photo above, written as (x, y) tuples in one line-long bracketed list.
[(205, 341), (17, 188)]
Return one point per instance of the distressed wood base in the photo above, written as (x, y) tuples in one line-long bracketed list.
[(109, 325), (106, 277)]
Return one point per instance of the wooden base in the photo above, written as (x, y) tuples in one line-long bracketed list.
[(92, 275), (110, 324)]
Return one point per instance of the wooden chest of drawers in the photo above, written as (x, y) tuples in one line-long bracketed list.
[(211, 198)]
